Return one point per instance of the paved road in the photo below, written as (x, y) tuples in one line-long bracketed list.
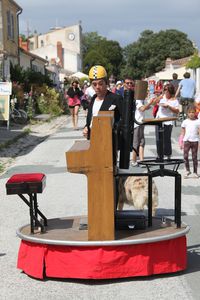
[(65, 195)]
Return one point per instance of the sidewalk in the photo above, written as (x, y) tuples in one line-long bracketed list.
[(8, 135), (21, 140), (17, 130)]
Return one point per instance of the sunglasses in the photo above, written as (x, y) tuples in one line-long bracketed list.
[(129, 82)]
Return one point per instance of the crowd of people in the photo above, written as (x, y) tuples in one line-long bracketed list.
[(164, 99)]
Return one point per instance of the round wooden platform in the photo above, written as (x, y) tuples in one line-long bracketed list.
[(64, 251), (73, 231)]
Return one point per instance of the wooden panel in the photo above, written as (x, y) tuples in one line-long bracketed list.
[(95, 159)]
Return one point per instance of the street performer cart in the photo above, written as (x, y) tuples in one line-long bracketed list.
[(91, 247)]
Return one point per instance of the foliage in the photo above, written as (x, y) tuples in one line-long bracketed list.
[(18, 92), (33, 77), (48, 101), (1, 168), (40, 99), (23, 37), (194, 62), (28, 77), (83, 80), (147, 56), (140, 59), (30, 81), (99, 50), (30, 107), (90, 40), (17, 73)]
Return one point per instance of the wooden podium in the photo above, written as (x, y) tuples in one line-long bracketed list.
[(94, 158)]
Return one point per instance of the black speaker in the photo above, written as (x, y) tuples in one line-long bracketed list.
[(129, 220)]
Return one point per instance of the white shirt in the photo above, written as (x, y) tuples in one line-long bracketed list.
[(165, 112), (191, 130), (139, 115), (95, 109)]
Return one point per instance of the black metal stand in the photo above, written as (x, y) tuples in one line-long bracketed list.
[(30, 184), (34, 212), (161, 163), (159, 169)]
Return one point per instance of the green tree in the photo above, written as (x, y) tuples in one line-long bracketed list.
[(147, 56), (99, 50), (194, 62), (90, 40), (93, 57), (113, 53)]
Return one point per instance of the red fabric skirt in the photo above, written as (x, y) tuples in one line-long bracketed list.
[(102, 262)]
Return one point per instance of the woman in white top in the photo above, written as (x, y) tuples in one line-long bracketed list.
[(168, 107), (190, 132)]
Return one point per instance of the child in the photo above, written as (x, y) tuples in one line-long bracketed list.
[(190, 132)]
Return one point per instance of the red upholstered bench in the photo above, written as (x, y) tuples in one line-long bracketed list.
[(30, 184)]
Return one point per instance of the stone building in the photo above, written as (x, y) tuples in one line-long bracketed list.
[(9, 32), (61, 47)]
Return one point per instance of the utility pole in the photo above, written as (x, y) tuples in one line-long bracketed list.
[(28, 30)]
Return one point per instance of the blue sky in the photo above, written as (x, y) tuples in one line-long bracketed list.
[(120, 20)]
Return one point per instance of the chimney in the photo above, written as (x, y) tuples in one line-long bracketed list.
[(23, 45), (60, 53), (20, 41)]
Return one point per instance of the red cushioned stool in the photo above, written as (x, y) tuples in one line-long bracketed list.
[(30, 184)]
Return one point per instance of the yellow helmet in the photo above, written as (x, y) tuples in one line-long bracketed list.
[(97, 72)]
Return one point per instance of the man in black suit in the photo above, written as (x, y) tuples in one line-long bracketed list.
[(103, 100)]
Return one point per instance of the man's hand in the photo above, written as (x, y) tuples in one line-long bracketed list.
[(85, 131)]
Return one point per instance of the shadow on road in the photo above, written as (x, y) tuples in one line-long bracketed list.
[(193, 253)]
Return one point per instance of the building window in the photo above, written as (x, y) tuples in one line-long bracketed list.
[(35, 68), (42, 43), (10, 25)]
